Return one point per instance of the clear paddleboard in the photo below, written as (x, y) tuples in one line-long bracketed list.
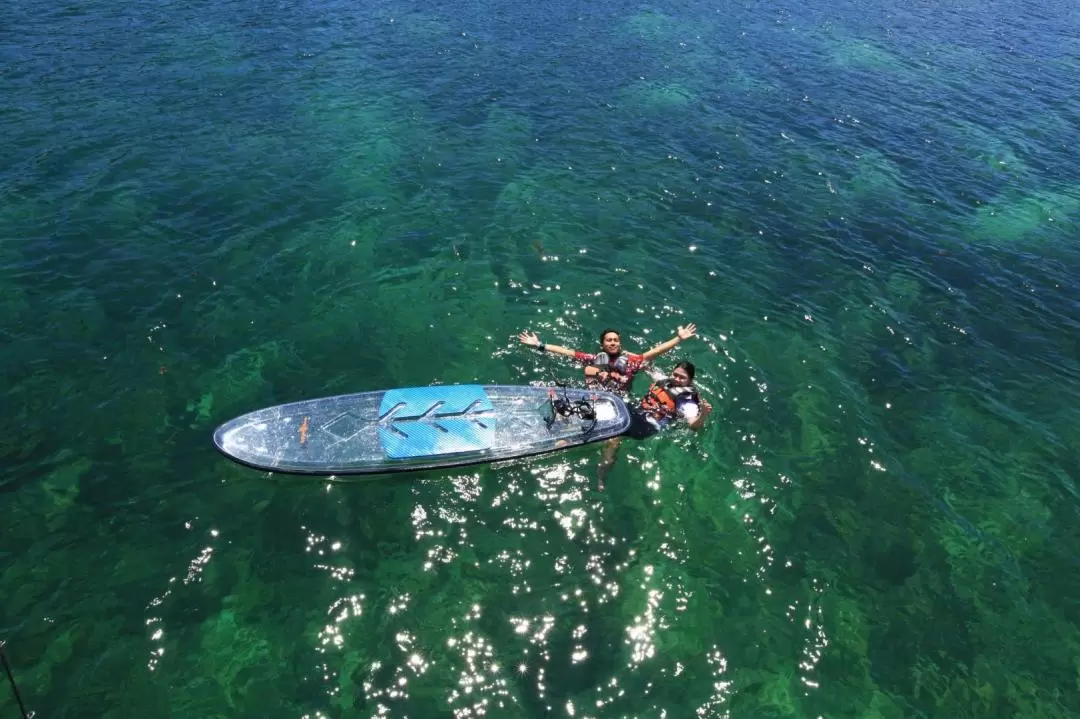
[(419, 428)]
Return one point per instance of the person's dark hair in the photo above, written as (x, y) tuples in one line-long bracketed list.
[(689, 367), (608, 331)]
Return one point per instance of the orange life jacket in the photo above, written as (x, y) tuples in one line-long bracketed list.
[(662, 399)]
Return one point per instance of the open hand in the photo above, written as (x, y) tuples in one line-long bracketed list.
[(529, 338), (688, 331)]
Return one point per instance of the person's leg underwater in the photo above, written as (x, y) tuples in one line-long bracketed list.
[(640, 428), (607, 459)]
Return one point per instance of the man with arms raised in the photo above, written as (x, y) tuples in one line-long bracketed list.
[(611, 368)]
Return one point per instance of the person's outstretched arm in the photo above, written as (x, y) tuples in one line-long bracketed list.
[(684, 333), (530, 339)]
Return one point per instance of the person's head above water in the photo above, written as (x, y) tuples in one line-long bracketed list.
[(610, 341), (684, 373)]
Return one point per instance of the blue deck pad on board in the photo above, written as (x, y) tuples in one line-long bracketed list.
[(431, 421)]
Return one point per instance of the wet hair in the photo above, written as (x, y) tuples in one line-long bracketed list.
[(689, 367), (608, 331)]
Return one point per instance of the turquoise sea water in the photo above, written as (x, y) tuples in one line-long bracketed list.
[(869, 210)]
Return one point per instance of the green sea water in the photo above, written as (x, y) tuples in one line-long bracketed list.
[(868, 209)]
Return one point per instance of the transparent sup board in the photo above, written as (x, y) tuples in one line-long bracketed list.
[(419, 428)]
